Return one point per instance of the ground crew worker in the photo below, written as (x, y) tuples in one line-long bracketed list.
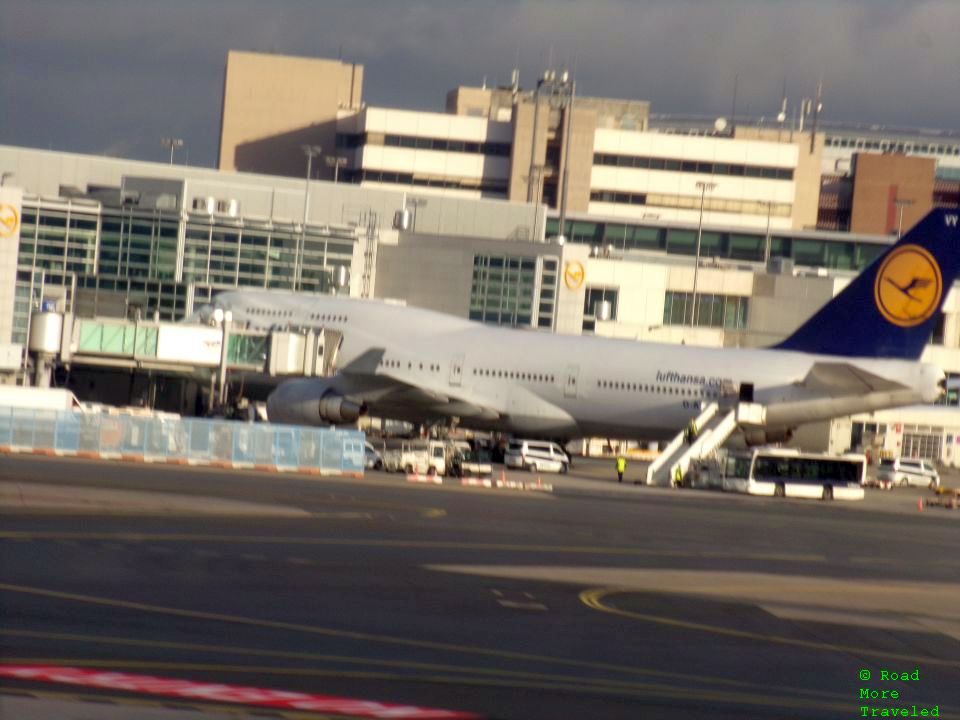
[(691, 432), (677, 477), (621, 467)]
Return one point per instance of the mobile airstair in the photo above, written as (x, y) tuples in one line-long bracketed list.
[(713, 427)]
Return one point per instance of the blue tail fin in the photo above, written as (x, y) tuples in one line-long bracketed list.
[(889, 310)]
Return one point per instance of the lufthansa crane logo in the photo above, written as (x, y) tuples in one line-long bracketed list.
[(9, 220), (574, 275), (908, 287)]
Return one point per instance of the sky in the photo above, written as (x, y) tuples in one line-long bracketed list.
[(114, 76)]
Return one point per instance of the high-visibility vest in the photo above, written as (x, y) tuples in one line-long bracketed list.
[(678, 475), (621, 464)]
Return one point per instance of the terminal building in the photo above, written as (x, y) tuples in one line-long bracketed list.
[(476, 212)]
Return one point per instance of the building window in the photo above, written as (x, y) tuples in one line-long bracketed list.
[(489, 187), (692, 166), (718, 311), (495, 149), (923, 445), (593, 306), (502, 291)]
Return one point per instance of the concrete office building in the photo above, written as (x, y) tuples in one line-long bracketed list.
[(892, 176), (576, 154), (273, 104)]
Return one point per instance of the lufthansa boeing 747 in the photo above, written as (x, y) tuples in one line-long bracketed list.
[(859, 352)]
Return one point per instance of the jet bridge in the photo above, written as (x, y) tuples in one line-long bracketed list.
[(202, 353), (714, 426)]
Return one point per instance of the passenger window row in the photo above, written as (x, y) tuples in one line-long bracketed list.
[(660, 389), (271, 312), (326, 317), (512, 375), (430, 367)]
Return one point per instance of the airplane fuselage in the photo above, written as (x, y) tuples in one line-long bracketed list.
[(562, 386)]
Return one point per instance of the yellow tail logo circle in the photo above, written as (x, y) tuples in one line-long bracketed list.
[(908, 287)]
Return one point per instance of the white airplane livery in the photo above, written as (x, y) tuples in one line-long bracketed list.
[(859, 352)]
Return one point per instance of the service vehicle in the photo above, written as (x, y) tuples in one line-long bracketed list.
[(781, 472), (904, 472), (463, 461), (536, 456), (423, 457)]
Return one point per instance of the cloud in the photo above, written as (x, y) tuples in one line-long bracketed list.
[(102, 74)]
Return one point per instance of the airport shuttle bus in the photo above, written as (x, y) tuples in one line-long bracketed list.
[(789, 473)]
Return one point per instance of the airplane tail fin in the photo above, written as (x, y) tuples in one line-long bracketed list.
[(890, 309)]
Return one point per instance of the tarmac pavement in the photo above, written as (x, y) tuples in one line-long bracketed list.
[(596, 600)]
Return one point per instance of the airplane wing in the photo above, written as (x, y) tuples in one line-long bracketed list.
[(446, 401), (841, 379), (376, 385)]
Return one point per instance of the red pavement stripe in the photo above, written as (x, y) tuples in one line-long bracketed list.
[(227, 693), (435, 479)]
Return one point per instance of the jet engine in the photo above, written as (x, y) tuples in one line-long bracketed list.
[(311, 402), (766, 436)]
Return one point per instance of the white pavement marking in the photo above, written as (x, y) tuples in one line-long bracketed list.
[(522, 605), (528, 604)]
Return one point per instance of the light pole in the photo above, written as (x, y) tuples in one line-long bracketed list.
[(901, 204), (766, 246), (559, 90), (569, 89), (336, 162), (703, 187), (310, 151), (173, 144)]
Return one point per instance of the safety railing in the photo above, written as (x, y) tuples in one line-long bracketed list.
[(193, 441)]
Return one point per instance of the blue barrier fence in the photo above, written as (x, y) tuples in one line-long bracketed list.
[(193, 440)]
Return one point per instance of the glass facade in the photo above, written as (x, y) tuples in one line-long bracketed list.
[(835, 253), (107, 259), (549, 286), (504, 290), (718, 311)]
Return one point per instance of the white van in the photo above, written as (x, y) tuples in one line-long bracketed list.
[(536, 456), (907, 471)]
